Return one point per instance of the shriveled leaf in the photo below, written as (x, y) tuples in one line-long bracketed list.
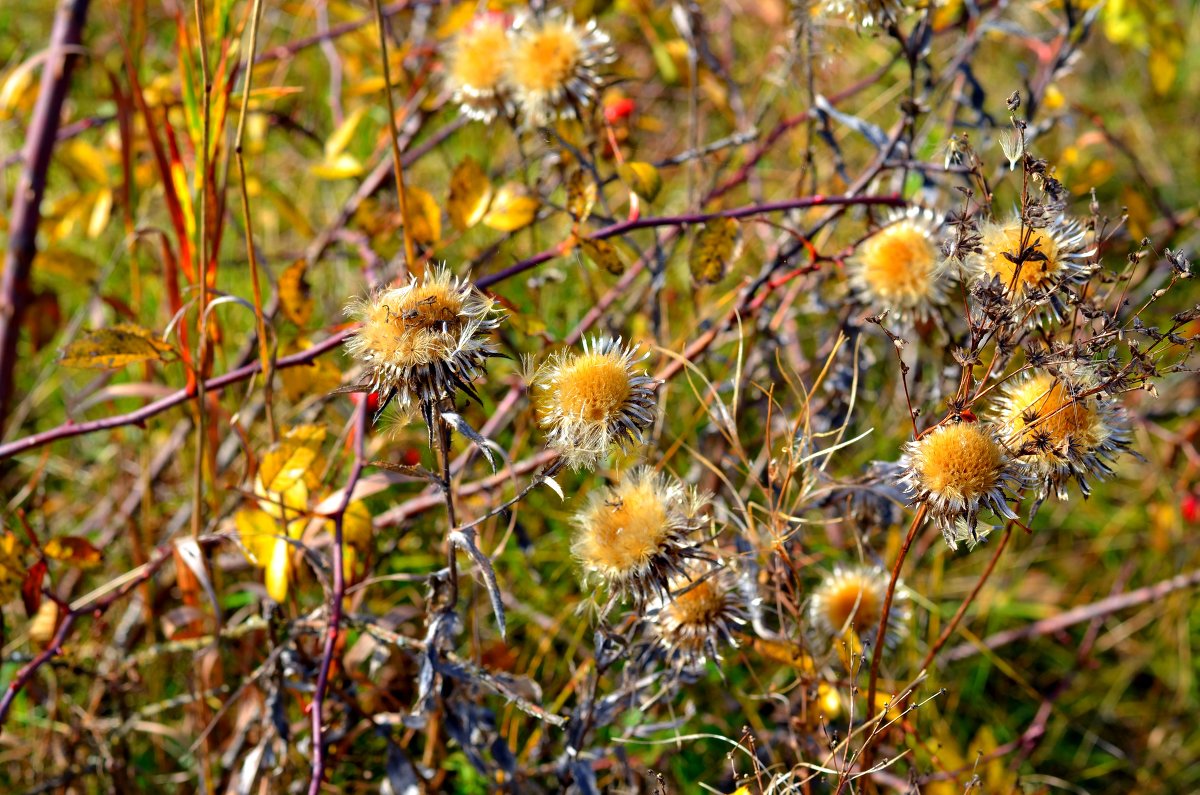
[(74, 550), (553, 484), (581, 195), (295, 296), (457, 422), (511, 209), (465, 540), (188, 550), (642, 178), (604, 254), (470, 194), (424, 217), (117, 346), (715, 247), (31, 588)]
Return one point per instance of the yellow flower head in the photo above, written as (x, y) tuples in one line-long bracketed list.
[(701, 612), (477, 61), (851, 597), (634, 536), (1049, 258), (554, 67), (900, 267), (1059, 437), (591, 401), (424, 341), (956, 469)]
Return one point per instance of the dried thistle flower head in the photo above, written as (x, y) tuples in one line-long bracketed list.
[(591, 401), (699, 616), (1060, 437), (635, 536), (852, 597), (424, 341), (477, 60), (900, 268), (1048, 258), (555, 65), (862, 12), (956, 469)]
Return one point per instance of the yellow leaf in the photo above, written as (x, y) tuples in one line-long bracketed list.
[(1163, 65), (74, 550), (603, 254), (581, 196), (294, 294), (279, 570), (110, 348), (66, 263), (424, 217), (715, 247), (45, 621), (642, 178), (470, 194), (511, 209), (456, 19), (344, 134), (319, 377), (357, 529), (344, 166), (101, 212), (257, 532), (294, 459)]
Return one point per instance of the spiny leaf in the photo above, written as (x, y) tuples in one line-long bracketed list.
[(470, 194), (715, 247), (511, 209), (117, 346), (294, 293)]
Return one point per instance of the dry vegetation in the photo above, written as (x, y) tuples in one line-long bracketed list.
[(752, 397)]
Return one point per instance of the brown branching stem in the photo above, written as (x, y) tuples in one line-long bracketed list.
[(26, 213), (332, 342), (337, 596)]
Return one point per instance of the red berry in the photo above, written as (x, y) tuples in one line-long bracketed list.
[(411, 457), (1190, 508), (618, 109)]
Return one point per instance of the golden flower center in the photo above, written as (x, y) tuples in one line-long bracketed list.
[(413, 326), (1057, 415), (1041, 265), (626, 531), (959, 459), (546, 59), (700, 605), (593, 387), (898, 263), (851, 601), (478, 57)]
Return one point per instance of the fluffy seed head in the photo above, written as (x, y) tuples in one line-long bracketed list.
[(588, 402), (1055, 255), (555, 65), (700, 615), (1058, 436), (634, 536), (424, 341), (900, 268), (477, 61), (852, 597), (957, 468)]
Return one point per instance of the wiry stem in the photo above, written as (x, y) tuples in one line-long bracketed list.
[(397, 162)]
